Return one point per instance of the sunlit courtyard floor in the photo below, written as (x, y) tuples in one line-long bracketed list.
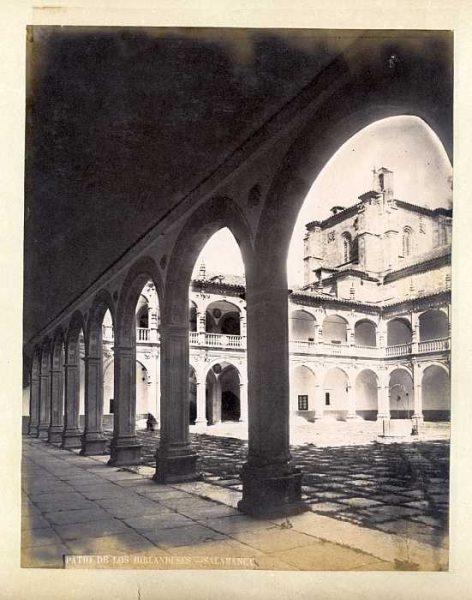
[(373, 504)]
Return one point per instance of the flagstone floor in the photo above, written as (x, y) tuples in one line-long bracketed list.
[(377, 505)]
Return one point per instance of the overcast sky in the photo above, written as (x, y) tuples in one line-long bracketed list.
[(405, 145)]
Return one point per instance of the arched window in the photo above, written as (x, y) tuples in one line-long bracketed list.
[(347, 247), (407, 241)]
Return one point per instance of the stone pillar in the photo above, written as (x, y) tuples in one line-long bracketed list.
[(415, 333), (216, 401), (153, 319), (242, 324), (201, 403), (319, 402), (93, 440), (71, 435), (271, 485), (125, 448), (44, 405), (34, 406), (383, 399), (176, 460), (417, 393), (243, 408), (57, 406), (351, 403)]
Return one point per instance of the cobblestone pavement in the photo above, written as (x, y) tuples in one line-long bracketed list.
[(75, 505), (397, 487)]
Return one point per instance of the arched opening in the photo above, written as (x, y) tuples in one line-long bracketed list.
[(230, 403), (436, 394), (192, 395), (365, 333), (401, 399), (336, 389), (346, 247), (223, 317), (302, 391), (222, 393), (192, 317), (136, 363), (434, 325), (334, 330), (302, 326), (366, 392), (108, 392), (74, 382), (398, 332), (146, 366)]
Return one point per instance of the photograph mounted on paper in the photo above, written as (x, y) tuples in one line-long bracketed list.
[(237, 299)]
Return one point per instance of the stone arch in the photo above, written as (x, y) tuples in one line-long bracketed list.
[(336, 385), (365, 333), (207, 219), (302, 389), (223, 316), (401, 401), (436, 392), (391, 92), (366, 389), (302, 325), (335, 329), (398, 331), (433, 325), (142, 271)]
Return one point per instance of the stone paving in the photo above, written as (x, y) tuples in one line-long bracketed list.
[(74, 506)]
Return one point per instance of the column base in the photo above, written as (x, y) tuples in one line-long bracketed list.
[(71, 439), (353, 418), (271, 492), (43, 432), (93, 444), (33, 430), (55, 434), (176, 465), (125, 452)]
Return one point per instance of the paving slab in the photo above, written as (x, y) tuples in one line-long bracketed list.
[(90, 530)]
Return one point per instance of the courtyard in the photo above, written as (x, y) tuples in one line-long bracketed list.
[(373, 504)]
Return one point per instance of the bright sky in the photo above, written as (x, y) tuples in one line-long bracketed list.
[(405, 145)]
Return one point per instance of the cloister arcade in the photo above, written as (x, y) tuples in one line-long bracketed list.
[(259, 203)]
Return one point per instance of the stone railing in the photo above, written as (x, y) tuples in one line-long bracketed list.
[(398, 350), (221, 340), (142, 334), (434, 345)]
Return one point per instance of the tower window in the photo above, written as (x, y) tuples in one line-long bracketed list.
[(327, 399), (347, 247), (407, 241)]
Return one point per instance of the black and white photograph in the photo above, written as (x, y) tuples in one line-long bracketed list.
[(237, 299)]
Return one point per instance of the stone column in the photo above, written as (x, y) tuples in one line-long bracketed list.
[(201, 403), (415, 333), (34, 406), (319, 403), (216, 401), (201, 327), (271, 485), (383, 400), (72, 434), (44, 405), (417, 393), (243, 408), (93, 440), (125, 448), (57, 406), (176, 460)]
